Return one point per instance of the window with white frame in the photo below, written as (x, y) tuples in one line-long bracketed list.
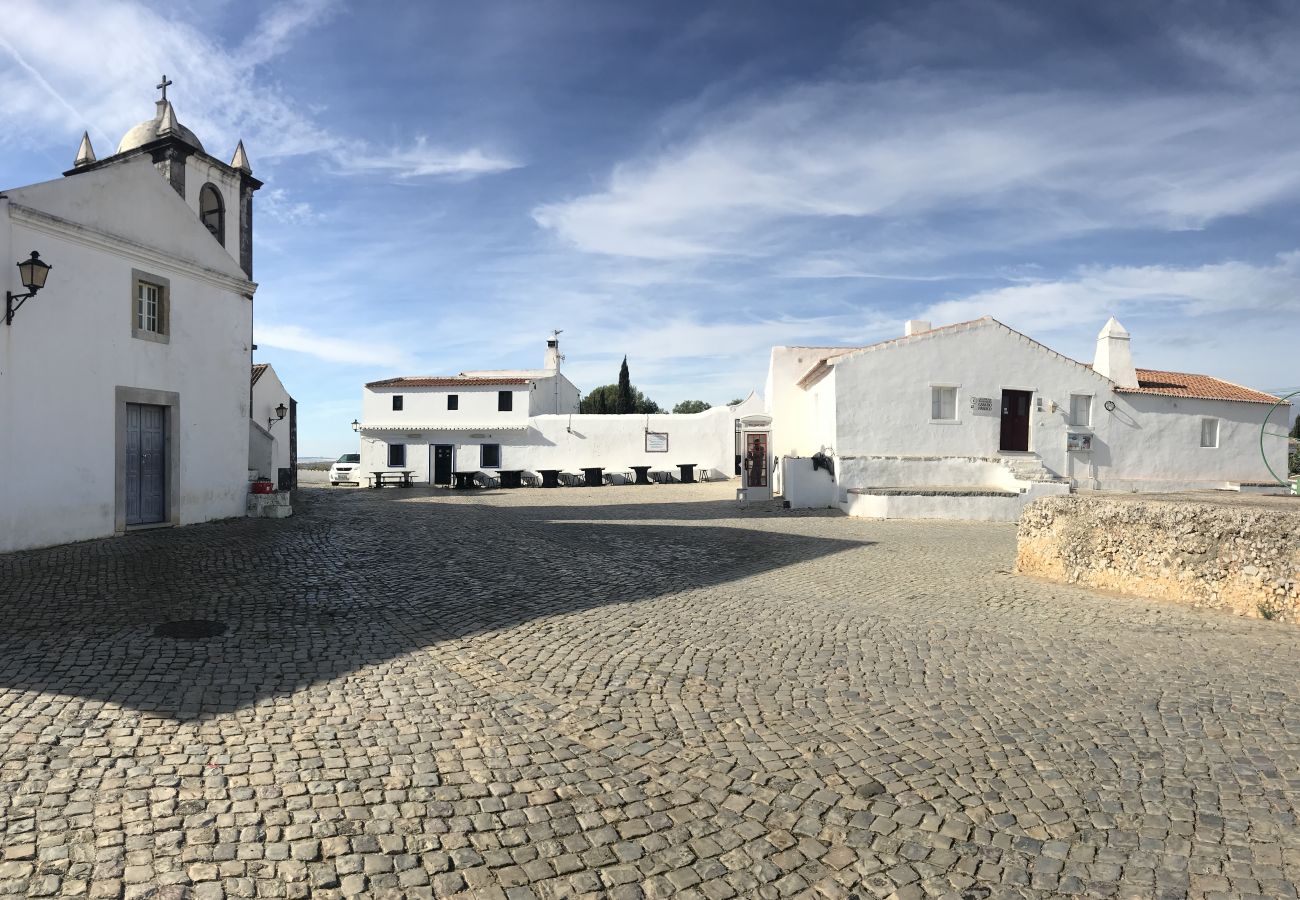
[(150, 307), (396, 456), (1209, 432), (943, 403), (490, 456), (1081, 410)]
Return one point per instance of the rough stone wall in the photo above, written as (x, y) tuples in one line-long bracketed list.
[(1235, 557)]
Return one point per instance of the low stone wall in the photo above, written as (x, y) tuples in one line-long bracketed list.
[(1237, 556)]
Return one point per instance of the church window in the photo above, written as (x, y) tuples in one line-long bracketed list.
[(491, 456), (397, 403), (396, 456), (453, 401), (212, 212), (505, 401), (150, 307)]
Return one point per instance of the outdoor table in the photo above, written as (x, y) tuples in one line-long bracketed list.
[(595, 475), (399, 477), (550, 477), (688, 472), (642, 474), (463, 479), (510, 478)]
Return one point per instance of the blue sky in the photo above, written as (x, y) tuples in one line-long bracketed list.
[(690, 183)]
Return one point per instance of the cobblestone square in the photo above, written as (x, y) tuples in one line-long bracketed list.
[(626, 692)]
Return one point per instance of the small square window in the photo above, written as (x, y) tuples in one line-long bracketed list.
[(1209, 432), (943, 404), (491, 456), (397, 403), (505, 401), (1081, 409), (453, 401), (396, 456)]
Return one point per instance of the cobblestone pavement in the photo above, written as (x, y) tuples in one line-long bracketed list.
[(570, 693)]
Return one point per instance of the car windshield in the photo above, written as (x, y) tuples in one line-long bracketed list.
[(350, 457)]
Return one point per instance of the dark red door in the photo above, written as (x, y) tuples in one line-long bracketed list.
[(1015, 420)]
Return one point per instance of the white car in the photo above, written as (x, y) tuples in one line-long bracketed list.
[(347, 468)]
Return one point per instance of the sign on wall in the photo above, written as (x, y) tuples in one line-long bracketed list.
[(981, 404), (656, 442), (1078, 441)]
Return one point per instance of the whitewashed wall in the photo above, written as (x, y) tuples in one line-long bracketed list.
[(423, 407), (71, 346), (268, 393), (571, 442), (1149, 442)]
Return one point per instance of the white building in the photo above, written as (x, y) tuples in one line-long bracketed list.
[(978, 405), (273, 436), (124, 384), (487, 420)]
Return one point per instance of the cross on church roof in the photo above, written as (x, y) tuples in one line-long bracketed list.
[(163, 85)]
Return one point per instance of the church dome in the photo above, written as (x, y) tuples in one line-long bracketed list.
[(163, 124)]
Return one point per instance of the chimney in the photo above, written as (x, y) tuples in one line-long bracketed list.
[(915, 326), (1114, 359), (553, 356)]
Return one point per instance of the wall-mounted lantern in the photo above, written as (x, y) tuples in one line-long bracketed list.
[(356, 426), (33, 273), (280, 412)]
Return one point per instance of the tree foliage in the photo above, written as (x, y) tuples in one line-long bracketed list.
[(626, 401), (691, 406), (1295, 429), (604, 401)]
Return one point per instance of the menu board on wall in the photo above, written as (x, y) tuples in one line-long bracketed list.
[(656, 442)]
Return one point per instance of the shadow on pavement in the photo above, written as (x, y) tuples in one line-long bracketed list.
[(345, 584)]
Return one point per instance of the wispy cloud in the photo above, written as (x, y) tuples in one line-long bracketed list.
[(360, 351), (93, 56), (420, 160), (1093, 293), (1040, 163)]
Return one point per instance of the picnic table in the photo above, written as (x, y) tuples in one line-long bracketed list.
[(642, 474), (550, 477), (511, 478), (595, 475), (463, 480), (688, 472), (398, 477)]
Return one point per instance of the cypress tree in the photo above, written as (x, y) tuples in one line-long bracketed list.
[(626, 400)]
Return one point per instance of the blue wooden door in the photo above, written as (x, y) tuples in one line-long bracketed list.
[(146, 464)]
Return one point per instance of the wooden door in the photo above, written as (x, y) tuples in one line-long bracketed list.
[(442, 463), (1015, 420), (146, 464)]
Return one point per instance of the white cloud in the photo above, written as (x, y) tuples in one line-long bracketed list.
[(97, 61), (1093, 293), (360, 351), (1034, 163)]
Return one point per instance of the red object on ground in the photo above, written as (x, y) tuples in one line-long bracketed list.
[(262, 487)]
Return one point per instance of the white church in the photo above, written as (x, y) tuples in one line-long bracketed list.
[(973, 420), (125, 379)]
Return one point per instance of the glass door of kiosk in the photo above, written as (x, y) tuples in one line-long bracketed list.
[(756, 472)]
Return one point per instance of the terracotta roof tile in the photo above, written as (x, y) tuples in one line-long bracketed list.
[(1186, 384), (446, 381), (259, 369)]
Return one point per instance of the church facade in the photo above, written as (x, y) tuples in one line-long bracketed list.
[(124, 383)]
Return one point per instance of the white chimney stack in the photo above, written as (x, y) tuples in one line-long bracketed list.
[(553, 352), (915, 326), (1114, 359)]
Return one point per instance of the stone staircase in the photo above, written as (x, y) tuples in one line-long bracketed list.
[(1029, 467)]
